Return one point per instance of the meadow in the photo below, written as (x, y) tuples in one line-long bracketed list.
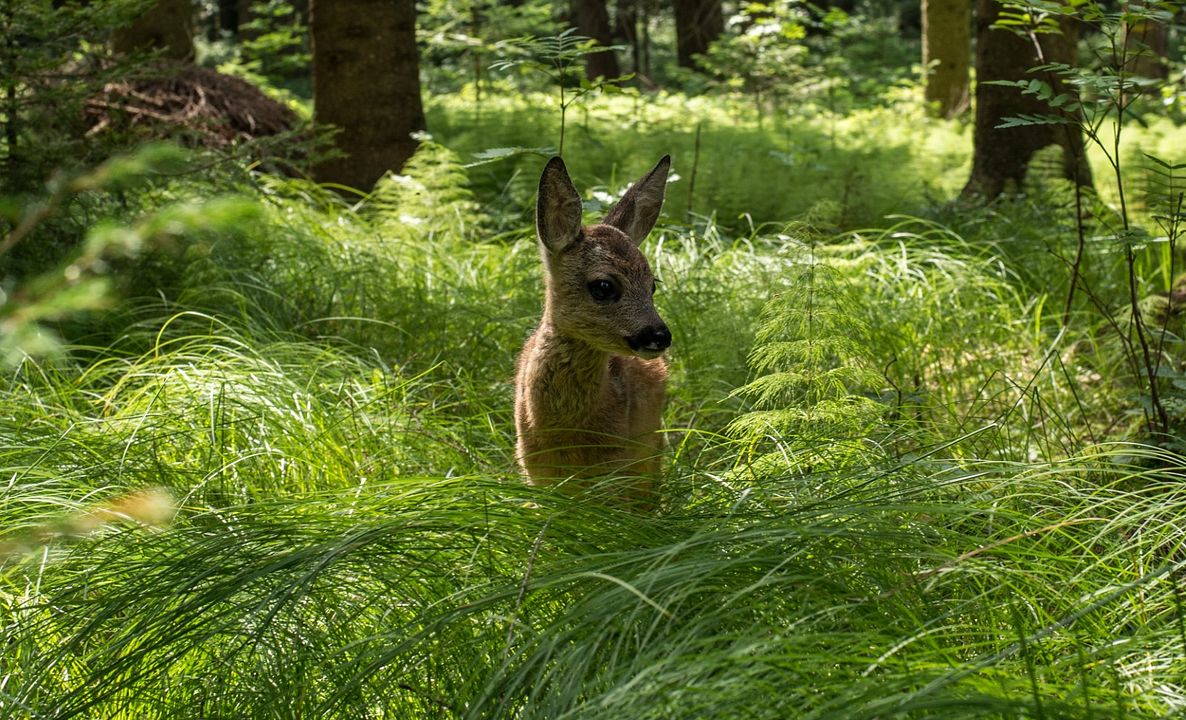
[(275, 478)]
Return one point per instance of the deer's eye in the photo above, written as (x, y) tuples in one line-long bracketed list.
[(603, 290)]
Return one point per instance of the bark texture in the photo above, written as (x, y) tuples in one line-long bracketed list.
[(592, 21), (1001, 156), (697, 24), (366, 81), (1148, 44), (947, 42), (167, 26), (626, 30)]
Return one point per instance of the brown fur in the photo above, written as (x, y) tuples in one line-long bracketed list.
[(589, 393)]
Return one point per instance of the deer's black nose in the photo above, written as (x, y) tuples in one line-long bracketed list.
[(655, 338)]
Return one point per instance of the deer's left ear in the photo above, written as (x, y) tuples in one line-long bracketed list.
[(636, 213), (558, 208)]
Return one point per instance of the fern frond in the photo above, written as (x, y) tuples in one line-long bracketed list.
[(848, 416), (794, 386), (431, 197), (812, 353), (785, 353)]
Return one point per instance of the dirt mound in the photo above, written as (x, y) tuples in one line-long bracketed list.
[(197, 105)]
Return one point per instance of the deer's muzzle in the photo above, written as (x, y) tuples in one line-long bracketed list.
[(655, 338)]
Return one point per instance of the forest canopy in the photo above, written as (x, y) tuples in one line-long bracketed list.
[(266, 268)]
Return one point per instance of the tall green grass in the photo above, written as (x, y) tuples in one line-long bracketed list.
[(1053, 594), (326, 397)]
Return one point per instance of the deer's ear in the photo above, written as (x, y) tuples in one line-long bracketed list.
[(558, 208), (636, 213)]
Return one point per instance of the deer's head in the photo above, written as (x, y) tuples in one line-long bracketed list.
[(600, 288)]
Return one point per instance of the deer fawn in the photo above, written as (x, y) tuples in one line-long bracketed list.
[(589, 387)]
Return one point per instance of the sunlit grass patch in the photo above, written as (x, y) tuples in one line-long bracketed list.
[(456, 597), (869, 164)]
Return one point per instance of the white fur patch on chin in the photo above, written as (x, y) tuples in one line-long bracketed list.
[(648, 354)]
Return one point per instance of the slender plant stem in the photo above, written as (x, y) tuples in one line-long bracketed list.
[(695, 165), (1077, 265), (32, 219), (563, 112), (1078, 161), (1121, 104), (9, 72), (1129, 256), (1171, 237)]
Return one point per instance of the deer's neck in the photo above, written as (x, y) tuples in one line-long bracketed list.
[(571, 373)]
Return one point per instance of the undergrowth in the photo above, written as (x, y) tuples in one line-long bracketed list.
[(325, 396), (866, 164)]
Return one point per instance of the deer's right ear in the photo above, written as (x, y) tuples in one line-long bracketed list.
[(558, 209)]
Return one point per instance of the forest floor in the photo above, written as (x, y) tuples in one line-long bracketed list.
[(275, 478)]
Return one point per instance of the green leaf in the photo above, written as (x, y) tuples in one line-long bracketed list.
[(1028, 120), (490, 155), (1006, 83), (124, 172), (1158, 161)]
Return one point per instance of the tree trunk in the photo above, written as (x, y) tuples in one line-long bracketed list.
[(167, 26), (697, 24), (947, 42), (644, 42), (366, 81), (246, 14), (626, 30), (228, 17), (1001, 156), (1147, 44), (592, 20)]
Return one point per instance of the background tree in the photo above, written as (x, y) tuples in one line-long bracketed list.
[(946, 43), (167, 26), (366, 82), (1001, 156), (47, 74), (233, 15), (697, 24), (592, 21), (1147, 42), (626, 30)]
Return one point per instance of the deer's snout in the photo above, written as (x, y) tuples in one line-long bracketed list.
[(655, 338)]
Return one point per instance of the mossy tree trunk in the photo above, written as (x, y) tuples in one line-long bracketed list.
[(167, 26), (592, 20), (947, 42), (1001, 156), (697, 24), (366, 82)]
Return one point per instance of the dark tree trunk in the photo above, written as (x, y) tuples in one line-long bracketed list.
[(246, 14), (947, 42), (1001, 156), (644, 42), (366, 81), (592, 20), (626, 30), (301, 11), (1147, 44), (697, 24), (167, 26), (848, 6), (228, 17)]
